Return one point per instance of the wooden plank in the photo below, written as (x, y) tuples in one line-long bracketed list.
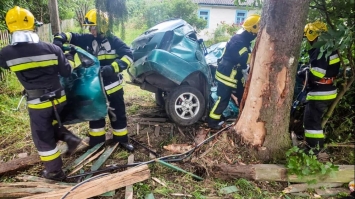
[(99, 162), (83, 157), (86, 162), (137, 128), (153, 119), (22, 163), (331, 191), (22, 192), (33, 184), (294, 188), (35, 179), (157, 130), (129, 188), (273, 172), (101, 185)]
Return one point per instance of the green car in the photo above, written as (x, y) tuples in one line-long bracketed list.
[(169, 60)]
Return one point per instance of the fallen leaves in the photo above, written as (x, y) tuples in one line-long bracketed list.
[(178, 148)]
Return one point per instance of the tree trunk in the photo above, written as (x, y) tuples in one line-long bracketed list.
[(264, 119), (54, 16)]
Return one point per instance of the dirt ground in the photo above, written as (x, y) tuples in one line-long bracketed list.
[(223, 148)]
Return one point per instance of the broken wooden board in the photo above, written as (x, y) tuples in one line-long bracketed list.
[(148, 119), (273, 172), (83, 157), (129, 188), (22, 189), (294, 188), (101, 185), (331, 191), (22, 163), (78, 167), (99, 162), (157, 130)]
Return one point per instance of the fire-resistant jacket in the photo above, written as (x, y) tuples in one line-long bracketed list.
[(36, 65), (323, 68), (234, 60), (107, 50)]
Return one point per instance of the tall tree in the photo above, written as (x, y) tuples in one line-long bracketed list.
[(264, 119), (54, 16)]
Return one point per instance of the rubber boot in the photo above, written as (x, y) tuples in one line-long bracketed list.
[(72, 141), (55, 175), (127, 146)]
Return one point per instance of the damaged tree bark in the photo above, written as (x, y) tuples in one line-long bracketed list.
[(266, 104)]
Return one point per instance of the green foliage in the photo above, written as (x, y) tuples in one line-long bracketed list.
[(223, 33), (39, 9), (303, 165), (338, 39), (117, 13), (151, 12)]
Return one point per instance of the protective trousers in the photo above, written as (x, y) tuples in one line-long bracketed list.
[(312, 122), (45, 136), (226, 75), (119, 126)]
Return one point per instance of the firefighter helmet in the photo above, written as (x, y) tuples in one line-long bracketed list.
[(251, 24), (313, 30), (91, 20), (19, 19)]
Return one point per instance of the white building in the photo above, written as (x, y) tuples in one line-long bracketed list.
[(216, 12)]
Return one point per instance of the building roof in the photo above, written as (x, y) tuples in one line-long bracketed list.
[(221, 2)]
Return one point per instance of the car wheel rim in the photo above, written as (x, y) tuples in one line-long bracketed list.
[(187, 106)]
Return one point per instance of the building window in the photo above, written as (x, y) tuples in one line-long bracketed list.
[(240, 16), (204, 14)]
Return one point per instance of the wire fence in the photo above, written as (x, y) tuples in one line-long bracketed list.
[(44, 32)]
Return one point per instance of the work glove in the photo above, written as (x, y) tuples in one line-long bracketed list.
[(119, 66), (59, 39), (302, 72), (107, 70), (58, 43)]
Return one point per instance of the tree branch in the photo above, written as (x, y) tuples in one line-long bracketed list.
[(345, 86), (327, 18)]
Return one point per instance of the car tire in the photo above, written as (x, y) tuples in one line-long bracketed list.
[(185, 105), (159, 98)]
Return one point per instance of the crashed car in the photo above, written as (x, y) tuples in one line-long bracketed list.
[(169, 60)]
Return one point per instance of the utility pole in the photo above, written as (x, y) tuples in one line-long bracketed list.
[(54, 16)]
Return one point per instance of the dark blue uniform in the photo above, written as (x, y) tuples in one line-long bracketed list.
[(229, 74), (109, 51), (38, 67), (321, 93)]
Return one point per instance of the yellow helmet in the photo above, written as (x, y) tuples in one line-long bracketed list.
[(19, 19), (313, 30), (251, 24), (91, 20)]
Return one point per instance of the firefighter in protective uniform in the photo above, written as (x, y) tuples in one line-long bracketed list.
[(114, 56), (229, 72), (38, 66), (322, 73)]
